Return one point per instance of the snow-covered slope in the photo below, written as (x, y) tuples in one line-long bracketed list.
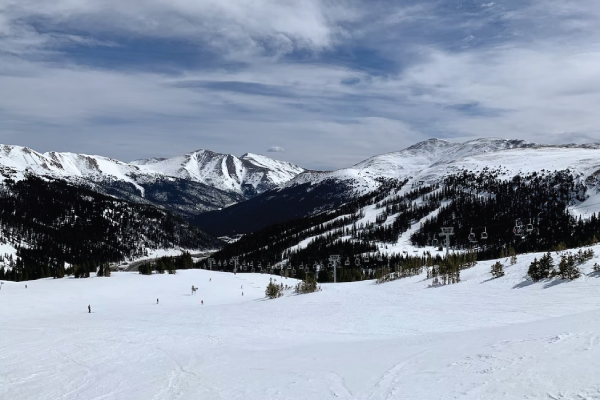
[(433, 158), (189, 184), (249, 173), (429, 161), (410, 162), (506, 338)]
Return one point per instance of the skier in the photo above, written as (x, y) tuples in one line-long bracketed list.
[(242, 293), (25, 286), (202, 302), (89, 309), (241, 287), (156, 301), (210, 280)]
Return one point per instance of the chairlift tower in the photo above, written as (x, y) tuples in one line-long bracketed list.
[(335, 260), (447, 231)]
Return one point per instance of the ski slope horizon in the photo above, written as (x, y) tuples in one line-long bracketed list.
[(482, 338)]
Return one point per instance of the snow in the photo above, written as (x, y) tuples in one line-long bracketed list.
[(480, 339), (203, 166), (223, 171), (434, 159)]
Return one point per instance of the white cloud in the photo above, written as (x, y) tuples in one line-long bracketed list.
[(537, 79), (275, 149)]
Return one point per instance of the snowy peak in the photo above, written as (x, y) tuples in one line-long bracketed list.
[(421, 159), (251, 173)]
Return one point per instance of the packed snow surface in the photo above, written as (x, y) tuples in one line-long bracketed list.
[(505, 338)]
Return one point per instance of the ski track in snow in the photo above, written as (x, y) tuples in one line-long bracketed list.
[(479, 339)]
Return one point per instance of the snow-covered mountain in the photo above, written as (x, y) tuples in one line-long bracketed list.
[(410, 162), (426, 162), (249, 174), (188, 184)]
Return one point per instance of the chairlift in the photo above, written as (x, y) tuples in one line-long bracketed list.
[(529, 228), (435, 242), (219, 263), (252, 270), (484, 234), (293, 271), (347, 263), (379, 258), (306, 270), (518, 229), (471, 236), (357, 261), (245, 268), (366, 258)]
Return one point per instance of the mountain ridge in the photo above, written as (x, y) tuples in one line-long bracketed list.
[(201, 180)]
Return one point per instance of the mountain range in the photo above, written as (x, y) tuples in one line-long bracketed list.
[(189, 184), (225, 195)]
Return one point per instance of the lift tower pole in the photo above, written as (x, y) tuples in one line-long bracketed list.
[(335, 259), (447, 231)]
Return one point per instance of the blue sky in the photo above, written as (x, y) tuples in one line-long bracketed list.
[(326, 83)]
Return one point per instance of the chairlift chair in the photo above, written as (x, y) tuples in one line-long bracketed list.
[(435, 242), (357, 261), (471, 236), (379, 258), (347, 263), (306, 270), (484, 234), (529, 228), (366, 258)]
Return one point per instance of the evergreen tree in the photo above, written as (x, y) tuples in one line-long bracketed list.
[(534, 271), (497, 270), (546, 266), (567, 267)]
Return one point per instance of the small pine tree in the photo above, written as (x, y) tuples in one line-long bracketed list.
[(309, 285), (273, 290), (497, 270), (513, 255), (567, 268), (534, 271), (546, 266)]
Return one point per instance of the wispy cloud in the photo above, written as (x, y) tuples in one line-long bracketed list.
[(332, 82), (275, 149)]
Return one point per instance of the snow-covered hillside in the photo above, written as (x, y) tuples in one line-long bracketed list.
[(189, 184), (433, 159), (225, 171), (506, 338)]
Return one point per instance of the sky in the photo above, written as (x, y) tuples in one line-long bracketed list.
[(321, 83)]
